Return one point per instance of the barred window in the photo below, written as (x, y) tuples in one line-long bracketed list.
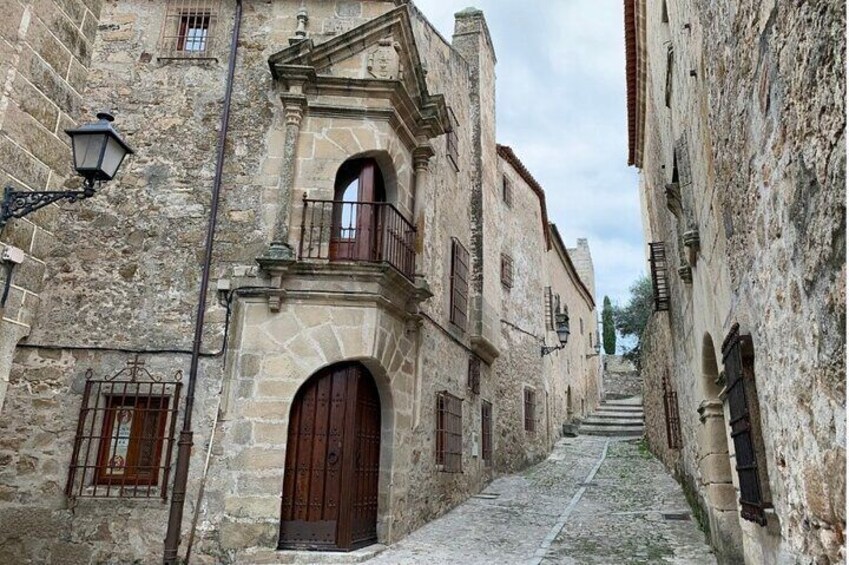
[(188, 29), (124, 436), (486, 432), (507, 191), (459, 297), (745, 426), (449, 432), (451, 145), (673, 420), (506, 271), (660, 285), (530, 410), (475, 374)]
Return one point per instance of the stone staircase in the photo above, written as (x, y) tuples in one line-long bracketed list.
[(618, 418)]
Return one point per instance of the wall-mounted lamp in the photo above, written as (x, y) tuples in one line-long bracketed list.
[(561, 325), (98, 152)]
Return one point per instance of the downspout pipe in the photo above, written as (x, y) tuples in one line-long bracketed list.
[(184, 444)]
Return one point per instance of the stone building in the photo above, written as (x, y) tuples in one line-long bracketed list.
[(737, 125), (384, 278)]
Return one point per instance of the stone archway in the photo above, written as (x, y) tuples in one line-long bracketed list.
[(330, 486), (715, 463)]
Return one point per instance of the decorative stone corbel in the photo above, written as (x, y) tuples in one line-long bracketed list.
[(685, 272), (277, 267), (710, 409), (692, 243), (673, 200)]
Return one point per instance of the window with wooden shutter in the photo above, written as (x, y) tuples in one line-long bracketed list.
[(486, 432), (506, 191), (530, 410), (752, 501), (506, 271), (475, 374), (549, 309), (449, 432), (451, 144), (670, 408), (459, 299)]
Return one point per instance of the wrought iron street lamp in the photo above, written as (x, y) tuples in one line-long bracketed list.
[(98, 152), (561, 326)]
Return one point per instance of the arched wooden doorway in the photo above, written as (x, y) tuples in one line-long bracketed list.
[(356, 216), (332, 462)]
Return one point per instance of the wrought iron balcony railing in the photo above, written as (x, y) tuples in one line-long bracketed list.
[(372, 232)]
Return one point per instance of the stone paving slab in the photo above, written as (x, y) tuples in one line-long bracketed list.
[(594, 500)]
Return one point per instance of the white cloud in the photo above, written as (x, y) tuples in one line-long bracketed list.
[(561, 106)]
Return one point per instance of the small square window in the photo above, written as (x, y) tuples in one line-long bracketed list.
[(188, 29), (194, 33)]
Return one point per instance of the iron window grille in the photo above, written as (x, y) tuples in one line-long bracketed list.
[(451, 143), (673, 420), (449, 432), (125, 435), (486, 432), (475, 374), (752, 500), (659, 281), (506, 271), (530, 410), (459, 287), (507, 191), (188, 29)]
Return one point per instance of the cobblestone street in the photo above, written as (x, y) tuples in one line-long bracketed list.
[(594, 500)]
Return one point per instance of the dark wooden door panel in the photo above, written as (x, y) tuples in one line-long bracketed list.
[(332, 462)]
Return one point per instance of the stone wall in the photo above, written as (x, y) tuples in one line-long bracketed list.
[(45, 56), (123, 278), (749, 112), (621, 379)]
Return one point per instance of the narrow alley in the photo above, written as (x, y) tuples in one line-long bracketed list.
[(595, 500)]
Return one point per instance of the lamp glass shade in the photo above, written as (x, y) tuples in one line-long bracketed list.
[(98, 149), (113, 155), (562, 327), (87, 150)]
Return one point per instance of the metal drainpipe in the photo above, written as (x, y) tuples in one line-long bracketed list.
[(184, 444)]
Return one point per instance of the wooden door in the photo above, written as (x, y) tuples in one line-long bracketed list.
[(332, 462), (355, 217)]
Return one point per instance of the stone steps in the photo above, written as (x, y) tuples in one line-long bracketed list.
[(616, 418)]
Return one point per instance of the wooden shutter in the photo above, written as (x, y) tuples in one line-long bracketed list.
[(451, 145), (673, 420), (751, 497), (530, 410), (549, 309), (459, 299), (449, 432), (486, 432), (660, 286)]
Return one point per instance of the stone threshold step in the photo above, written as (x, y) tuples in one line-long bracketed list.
[(612, 432), (294, 557), (621, 408)]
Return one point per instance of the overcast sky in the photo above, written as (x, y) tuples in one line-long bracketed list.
[(561, 107)]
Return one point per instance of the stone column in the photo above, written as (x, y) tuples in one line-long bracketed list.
[(294, 105), (421, 160)]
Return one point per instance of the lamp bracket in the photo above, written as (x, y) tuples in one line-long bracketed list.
[(19, 203), (545, 350)]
